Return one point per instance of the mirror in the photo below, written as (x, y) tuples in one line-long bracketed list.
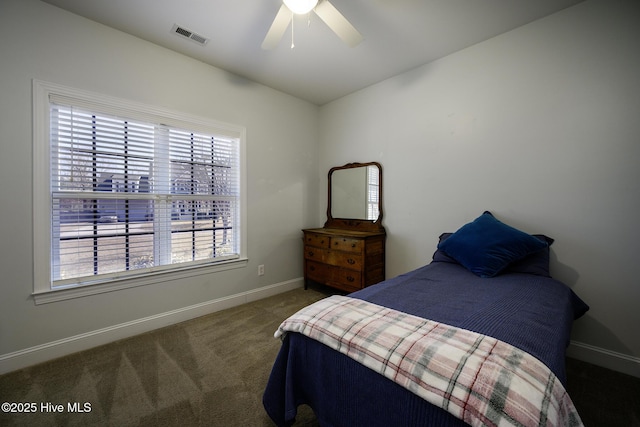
[(354, 193), (355, 196)]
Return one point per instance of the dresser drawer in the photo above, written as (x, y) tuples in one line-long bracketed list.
[(346, 278), (345, 259), (317, 271), (349, 260), (349, 280), (317, 240), (314, 253), (346, 244)]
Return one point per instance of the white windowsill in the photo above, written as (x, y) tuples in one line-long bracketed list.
[(132, 282)]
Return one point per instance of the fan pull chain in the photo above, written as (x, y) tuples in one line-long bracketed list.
[(293, 18)]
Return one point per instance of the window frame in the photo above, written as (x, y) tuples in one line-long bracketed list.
[(43, 292)]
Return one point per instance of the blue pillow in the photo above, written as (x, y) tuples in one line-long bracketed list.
[(536, 263), (487, 246)]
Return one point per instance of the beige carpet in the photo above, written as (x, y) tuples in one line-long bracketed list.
[(209, 371), (212, 371)]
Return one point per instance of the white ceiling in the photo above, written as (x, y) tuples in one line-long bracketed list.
[(398, 35)]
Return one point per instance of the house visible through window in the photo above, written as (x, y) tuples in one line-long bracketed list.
[(130, 195)]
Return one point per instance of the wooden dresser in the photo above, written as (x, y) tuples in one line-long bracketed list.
[(344, 259), (348, 252)]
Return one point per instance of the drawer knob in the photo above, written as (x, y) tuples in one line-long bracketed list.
[(310, 253), (312, 268), (353, 245), (351, 261), (350, 279)]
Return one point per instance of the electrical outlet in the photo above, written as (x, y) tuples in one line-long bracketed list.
[(261, 270)]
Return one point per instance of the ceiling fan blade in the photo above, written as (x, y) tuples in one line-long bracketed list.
[(278, 27), (338, 23)]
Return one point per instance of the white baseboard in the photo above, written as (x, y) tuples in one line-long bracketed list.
[(606, 358), (51, 350)]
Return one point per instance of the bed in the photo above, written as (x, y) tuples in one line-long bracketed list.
[(487, 280)]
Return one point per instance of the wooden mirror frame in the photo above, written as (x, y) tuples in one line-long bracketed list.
[(351, 223)]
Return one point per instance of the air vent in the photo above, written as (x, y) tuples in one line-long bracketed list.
[(183, 32)]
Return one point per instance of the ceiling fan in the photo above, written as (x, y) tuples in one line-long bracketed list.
[(323, 8)]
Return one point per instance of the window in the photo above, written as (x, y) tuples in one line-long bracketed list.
[(131, 191), (373, 192)]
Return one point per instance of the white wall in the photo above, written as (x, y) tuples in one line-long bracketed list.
[(43, 42), (540, 125)]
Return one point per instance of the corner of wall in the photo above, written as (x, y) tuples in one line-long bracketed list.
[(606, 358)]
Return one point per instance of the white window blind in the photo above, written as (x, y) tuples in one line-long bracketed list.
[(130, 195), (373, 192)]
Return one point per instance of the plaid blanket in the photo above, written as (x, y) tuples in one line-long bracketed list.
[(479, 379)]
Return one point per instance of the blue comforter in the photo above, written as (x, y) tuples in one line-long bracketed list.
[(534, 313)]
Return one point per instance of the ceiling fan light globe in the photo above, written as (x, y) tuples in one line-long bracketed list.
[(301, 7)]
